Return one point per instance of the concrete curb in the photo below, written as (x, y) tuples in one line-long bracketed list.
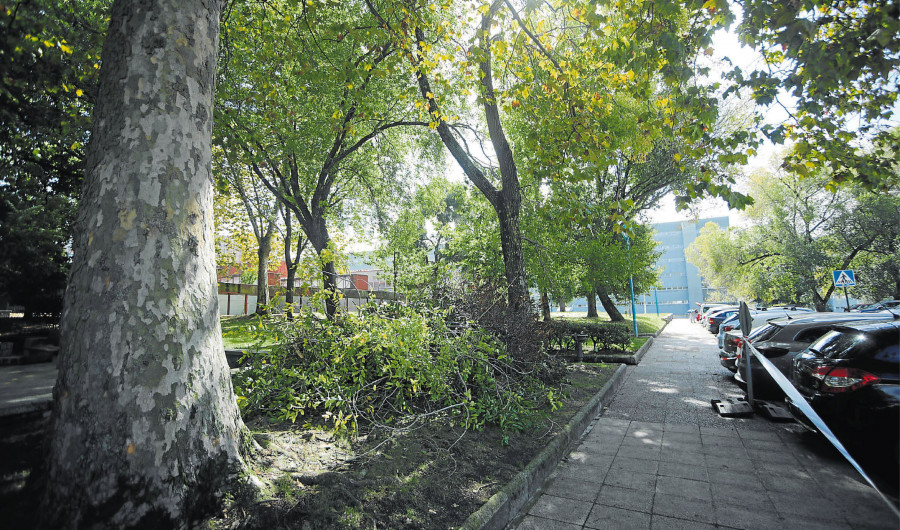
[(24, 409), (504, 506)]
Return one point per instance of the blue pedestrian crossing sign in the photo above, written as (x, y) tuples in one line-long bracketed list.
[(844, 278)]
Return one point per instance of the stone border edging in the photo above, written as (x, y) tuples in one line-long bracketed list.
[(22, 409), (504, 505)]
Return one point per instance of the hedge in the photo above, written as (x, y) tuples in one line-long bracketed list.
[(605, 335)]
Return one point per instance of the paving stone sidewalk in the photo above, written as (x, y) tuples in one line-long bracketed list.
[(660, 457)]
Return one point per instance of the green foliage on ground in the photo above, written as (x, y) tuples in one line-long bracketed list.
[(389, 367)]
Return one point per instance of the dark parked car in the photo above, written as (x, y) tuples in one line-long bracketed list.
[(851, 377), (784, 338), (730, 335)]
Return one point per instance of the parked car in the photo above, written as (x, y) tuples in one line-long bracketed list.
[(715, 318), (704, 318), (880, 306), (851, 378), (787, 337), (703, 308), (733, 342), (728, 341)]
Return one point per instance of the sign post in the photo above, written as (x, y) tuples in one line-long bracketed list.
[(844, 278), (746, 324)]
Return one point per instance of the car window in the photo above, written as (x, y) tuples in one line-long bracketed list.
[(810, 334), (890, 354), (838, 345), (764, 333)]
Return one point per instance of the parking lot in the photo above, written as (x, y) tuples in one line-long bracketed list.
[(660, 457)]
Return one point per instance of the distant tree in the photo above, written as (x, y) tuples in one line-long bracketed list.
[(145, 430), (801, 230)]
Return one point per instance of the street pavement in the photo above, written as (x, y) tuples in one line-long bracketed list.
[(661, 457), (26, 388)]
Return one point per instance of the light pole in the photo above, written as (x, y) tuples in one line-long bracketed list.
[(631, 285), (656, 297)]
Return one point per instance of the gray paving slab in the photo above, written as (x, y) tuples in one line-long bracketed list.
[(26, 388), (661, 457)]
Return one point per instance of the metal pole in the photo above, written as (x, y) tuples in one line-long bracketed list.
[(656, 297), (631, 285), (846, 298)]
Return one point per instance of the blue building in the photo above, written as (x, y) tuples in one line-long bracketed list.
[(680, 284)]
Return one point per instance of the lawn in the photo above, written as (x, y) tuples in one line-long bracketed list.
[(647, 323), (242, 332)]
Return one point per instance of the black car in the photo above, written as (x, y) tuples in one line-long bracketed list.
[(851, 377), (784, 338)]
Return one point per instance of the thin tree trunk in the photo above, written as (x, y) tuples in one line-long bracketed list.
[(262, 269), (291, 262), (592, 305), (609, 306), (545, 306), (145, 429), (562, 305)]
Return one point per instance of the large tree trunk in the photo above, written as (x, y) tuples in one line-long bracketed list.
[(592, 306), (609, 306), (511, 242), (320, 238), (562, 305), (145, 428), (262, 269), (507, 200), (545, 306)]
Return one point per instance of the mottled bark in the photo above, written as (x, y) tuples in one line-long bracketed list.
[(145, 428), (545, 307), (592, 305), (609, 306), (562, 305)]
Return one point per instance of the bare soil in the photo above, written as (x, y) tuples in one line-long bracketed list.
[(430, 477)]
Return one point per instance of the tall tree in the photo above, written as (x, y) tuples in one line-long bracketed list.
[(550, 61), (801, 230), (262, 209), (325, 122), (145, 427)]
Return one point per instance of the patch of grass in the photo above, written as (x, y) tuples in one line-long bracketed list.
[(432, 476), (245, 331), (647, 323), (636, 343)]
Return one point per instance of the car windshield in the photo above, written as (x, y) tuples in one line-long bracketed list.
[(840, 345), (763, 333)]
